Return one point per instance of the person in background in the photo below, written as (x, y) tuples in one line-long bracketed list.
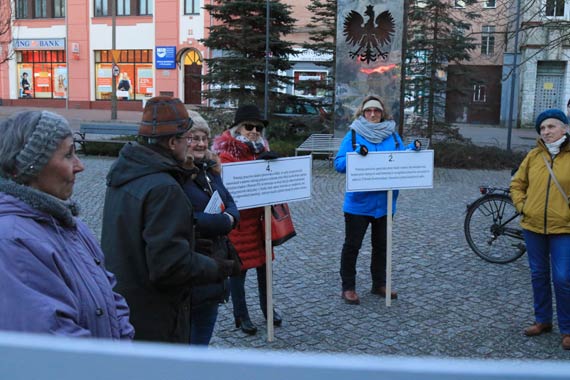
[(213, 227), (372, 130), (52, 274), (25, 86), (568, 108), (148, 226), (244, 142), (539, 190)]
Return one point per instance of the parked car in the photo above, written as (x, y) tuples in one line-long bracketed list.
[(302, 115)]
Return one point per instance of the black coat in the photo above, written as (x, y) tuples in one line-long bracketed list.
[(213, 227), (148, 242)]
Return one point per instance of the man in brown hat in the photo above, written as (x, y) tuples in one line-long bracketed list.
[(148, 231)]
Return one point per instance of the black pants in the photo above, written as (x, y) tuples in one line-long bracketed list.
[(355, 229), (237, 286)]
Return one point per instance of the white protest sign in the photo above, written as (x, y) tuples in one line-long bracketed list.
[(266, 182), (389, 170)]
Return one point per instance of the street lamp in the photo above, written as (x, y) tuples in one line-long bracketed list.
[(514, 76)]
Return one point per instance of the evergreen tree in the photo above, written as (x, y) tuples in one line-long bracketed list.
[(236, 70), (322, 37), (437, 36)]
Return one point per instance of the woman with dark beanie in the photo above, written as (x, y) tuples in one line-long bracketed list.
[(244, 142), (540, 190), (52, 276)]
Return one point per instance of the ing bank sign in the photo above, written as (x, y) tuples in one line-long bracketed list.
[(39, 44)]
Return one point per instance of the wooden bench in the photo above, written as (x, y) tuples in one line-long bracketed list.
[(109, 129), (320, 143)]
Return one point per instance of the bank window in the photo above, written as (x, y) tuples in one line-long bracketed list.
[(487, 40), (134, 81), (479, 93), (191, 7), (42, 74), (490, 4), (554, 8)]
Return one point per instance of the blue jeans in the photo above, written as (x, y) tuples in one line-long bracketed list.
[(237, 289), (546, 253), (202, 322), (355, 229)]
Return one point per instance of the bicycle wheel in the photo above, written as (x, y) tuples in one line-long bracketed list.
[(492, 229)]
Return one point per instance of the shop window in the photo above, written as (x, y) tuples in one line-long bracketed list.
[(554, 8), (487, 40), (134, 81), (42, 74), (40, 9), (191, 7), (479, 93), (123, 7)]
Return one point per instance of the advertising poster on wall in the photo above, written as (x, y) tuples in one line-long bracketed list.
[(103, 80), (25, 73), (60, 81), (145, 84), (368, 56)]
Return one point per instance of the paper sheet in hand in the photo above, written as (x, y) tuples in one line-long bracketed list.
[(215, 205)]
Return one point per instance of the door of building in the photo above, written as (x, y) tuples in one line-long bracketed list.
[(192, 84), (549, 86)]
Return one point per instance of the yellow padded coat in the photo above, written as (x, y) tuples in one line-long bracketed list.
[(536, 196)]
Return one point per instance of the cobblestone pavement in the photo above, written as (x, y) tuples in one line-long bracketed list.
[(450, 304)]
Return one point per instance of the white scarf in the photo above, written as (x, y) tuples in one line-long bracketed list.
[(554, 148)]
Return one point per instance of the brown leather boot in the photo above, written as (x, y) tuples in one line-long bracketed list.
[(381, 291), (350, 297), (566, 341), (538, 328)]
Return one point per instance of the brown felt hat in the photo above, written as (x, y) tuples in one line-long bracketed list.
[(164, 116)]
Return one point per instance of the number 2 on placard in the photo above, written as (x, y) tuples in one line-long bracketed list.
[(390, 157)]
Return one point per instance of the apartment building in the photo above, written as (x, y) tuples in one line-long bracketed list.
[(544, 51), (69, 53), (480, 78)]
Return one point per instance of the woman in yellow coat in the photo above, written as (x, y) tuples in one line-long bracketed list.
[(540, 190)]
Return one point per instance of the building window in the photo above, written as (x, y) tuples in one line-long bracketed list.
[(22, 9), (191, 7), (459, 4), (554, 8), (479, 93), (42, 74), (135, 79), (487, 40), (490, 4), (309, 83), (39, 8), (124, 8), (59, 8), (101, 8), (145, 7)]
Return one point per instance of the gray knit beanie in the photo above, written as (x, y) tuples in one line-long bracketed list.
[(50, 130)]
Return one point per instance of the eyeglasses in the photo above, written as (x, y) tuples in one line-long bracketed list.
[(372, 110), (249, 127), (198, 139), (187, 138)]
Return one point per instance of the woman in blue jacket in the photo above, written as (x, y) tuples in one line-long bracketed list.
[(371, 131), (211, 227)]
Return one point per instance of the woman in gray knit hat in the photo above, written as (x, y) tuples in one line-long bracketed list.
[(52, 278)]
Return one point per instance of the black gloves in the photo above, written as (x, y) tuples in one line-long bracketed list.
[(417, 145), (268, 156), (361, 149), (226, 268), (204, 246)]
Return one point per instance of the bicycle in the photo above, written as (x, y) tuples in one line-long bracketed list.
[(492, 227)]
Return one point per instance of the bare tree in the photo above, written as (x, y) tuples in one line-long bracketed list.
[(6, 52)]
